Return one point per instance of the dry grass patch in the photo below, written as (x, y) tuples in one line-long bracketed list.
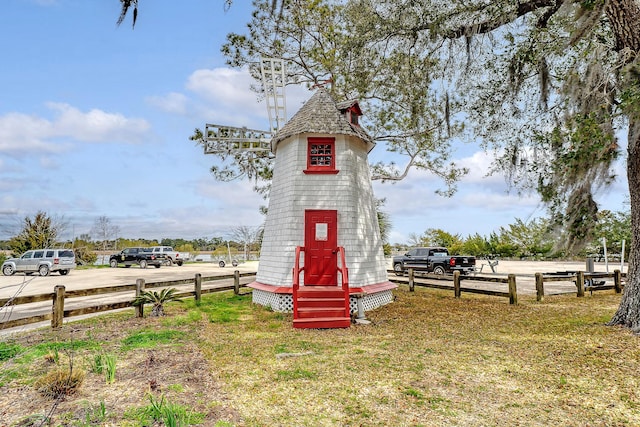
[(427, 359), (431, 360)]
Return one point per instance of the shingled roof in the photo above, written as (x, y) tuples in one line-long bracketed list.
[(321, 114)]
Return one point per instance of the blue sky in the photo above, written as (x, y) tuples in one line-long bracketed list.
[(95, 120)]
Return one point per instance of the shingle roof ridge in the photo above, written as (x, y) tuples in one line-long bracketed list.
[(321, 114)]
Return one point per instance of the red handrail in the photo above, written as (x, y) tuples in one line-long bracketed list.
[(296, 279), (344, 275), (342, 269)]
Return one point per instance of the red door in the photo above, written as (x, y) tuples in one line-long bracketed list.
[(321, 242)]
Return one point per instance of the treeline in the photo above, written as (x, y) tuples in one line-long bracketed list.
[(538, 239)]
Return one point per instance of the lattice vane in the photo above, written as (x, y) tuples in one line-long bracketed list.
[(226, 139), (273, 81)]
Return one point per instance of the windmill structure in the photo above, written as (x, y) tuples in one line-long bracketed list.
[(321, 254)]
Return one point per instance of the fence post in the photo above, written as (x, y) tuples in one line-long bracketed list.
[(456, 284), (139, 291), (236, 282), (412, 283), (198, 287), (57, 314), (580, 283), (617, 281), (513, 295), (539, 287)]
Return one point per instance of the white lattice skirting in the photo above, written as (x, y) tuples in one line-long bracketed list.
[(284, 302)]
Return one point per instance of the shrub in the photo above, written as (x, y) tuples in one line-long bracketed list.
[(60, 382), (158, 299)]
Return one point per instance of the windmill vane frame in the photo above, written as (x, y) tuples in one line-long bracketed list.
[(232, 139)]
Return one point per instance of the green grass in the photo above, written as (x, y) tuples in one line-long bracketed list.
[(220, 309), (150, 339), (170, 414), (8, 351)]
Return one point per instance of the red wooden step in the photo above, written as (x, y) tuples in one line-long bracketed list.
[(307, 312), (320, 292), (322, 323), (321, 302)]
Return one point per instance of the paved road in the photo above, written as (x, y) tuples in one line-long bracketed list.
[(22, 285)]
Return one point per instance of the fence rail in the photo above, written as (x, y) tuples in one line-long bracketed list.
[(457, 288), (60, 295), (583, 281)]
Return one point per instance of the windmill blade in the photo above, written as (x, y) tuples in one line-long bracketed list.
[(229, 139), (273, 83)]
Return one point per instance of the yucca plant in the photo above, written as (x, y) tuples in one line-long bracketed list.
[(158, 299)]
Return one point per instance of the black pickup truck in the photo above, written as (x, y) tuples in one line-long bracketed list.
[(140, 256), (433, 260)]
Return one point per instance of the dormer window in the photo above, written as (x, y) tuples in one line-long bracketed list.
[(321, 156)]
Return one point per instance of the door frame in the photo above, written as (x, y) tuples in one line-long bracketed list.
[(321, 243)]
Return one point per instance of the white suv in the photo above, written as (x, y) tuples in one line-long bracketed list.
[(42, 261)]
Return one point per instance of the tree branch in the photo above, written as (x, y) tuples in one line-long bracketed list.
[(523, 8)]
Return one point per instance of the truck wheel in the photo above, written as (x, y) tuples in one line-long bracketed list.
[(157, 265), (63, 272), (438, 270), (221, 264), (179, 263), (397, 268), (7, 270), (169, 262), (143, 263), (113, 263), (234, 263), (43, 270)]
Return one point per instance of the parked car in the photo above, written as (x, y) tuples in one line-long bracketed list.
[(433, 260), (140, 256), (172, 257), (42, 261)]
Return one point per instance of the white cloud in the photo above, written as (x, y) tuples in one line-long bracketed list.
[(227, 94), (23, 135), (97, 125), (20, 133)]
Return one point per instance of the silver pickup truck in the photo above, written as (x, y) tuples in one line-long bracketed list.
[(171, 256)]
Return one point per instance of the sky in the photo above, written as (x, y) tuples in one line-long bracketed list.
[(95, 122)]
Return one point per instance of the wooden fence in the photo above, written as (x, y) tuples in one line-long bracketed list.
[(457, 288), (583, 281), (59, 295)]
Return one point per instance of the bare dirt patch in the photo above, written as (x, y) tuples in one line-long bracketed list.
[(177, 371)]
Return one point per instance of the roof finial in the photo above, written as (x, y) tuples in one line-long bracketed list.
[(322, 83)]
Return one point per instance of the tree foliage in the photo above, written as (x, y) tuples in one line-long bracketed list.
[(41, 231)]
